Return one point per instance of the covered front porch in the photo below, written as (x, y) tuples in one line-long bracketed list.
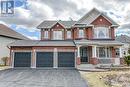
[(95, 52)]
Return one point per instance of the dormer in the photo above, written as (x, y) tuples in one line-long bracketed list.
[(56, 30)]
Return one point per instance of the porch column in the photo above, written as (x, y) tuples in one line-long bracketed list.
[(120, 49), (94, 59), (121, 59), (78, 51), (94, 53), (78, 54)]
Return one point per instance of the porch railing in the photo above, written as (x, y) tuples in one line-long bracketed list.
[(109, 60)]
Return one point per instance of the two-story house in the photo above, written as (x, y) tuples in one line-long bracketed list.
[(90, 40)]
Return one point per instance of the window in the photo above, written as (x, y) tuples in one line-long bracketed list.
[(117, 52), (46, 34), (101, 32), (103, 52), (81, 33), (57, 35), (68, 34)]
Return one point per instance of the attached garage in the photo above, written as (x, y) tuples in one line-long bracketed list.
[(36, 54), (22, 59), (44, 59), (66, 59)]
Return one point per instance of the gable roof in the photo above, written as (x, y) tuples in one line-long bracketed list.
[(92, 15), (50, 23), (86, 20), (7, 32), (123, 38)]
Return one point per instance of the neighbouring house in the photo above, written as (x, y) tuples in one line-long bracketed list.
[(126, 41), (7, 36), (90, 40)]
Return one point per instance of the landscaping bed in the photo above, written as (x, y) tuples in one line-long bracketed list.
[(119, 78)]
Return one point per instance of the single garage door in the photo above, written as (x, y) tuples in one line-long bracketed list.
[(44, 59), (22, 59), (66, 59)]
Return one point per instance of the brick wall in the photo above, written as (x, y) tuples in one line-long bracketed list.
[(89, 33), (100, 21)]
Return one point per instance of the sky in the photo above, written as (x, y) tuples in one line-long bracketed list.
[(28, 14)]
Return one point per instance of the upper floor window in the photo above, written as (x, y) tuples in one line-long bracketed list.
[(101, 32), (57, 35), (68, 34), (81, 33), (46, 34)]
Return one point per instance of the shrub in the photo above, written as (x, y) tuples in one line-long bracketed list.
[(127, 60), (4, 59)]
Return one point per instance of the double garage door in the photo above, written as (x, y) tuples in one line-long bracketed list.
[(44, 59)]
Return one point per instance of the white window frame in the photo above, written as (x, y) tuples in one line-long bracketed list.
[(81, 33), (46, 35), (104, 30), (107, 52), (69, 34), (117, 50), (57, 35)]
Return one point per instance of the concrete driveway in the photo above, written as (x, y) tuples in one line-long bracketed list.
[(41, 78)]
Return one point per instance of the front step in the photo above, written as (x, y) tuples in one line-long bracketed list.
[(87, 66)]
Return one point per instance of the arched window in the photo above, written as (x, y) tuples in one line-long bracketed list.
[(101, 32)]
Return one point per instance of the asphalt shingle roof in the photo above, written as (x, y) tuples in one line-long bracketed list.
[(6, 31), (30, 43), (98, 42), (50, 23), (41, 43), (86, 20), (92, 15)]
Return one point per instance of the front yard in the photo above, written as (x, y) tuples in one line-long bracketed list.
[(2, 67), (107, 79)]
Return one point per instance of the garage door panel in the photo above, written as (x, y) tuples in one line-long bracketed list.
[(22, 59), (44, 59), (66, 59)]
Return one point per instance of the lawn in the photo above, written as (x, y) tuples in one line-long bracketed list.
[(2, 67), (103, 79)]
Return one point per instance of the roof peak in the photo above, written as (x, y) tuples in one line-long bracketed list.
[(91, 15)]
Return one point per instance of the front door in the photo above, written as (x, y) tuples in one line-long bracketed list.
[(84, 54)]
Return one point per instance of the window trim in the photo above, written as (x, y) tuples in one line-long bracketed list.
[(107, 52)]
